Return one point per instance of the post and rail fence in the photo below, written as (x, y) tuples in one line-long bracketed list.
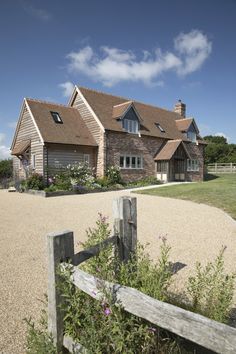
[(221, 167), (191, 326)]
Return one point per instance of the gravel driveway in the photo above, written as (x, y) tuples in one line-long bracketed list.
[(195, 232)]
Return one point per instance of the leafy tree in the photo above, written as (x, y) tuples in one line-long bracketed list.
[(218, 150), (215, 139), (6, 169)]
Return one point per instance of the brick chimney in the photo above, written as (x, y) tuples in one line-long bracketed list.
[(180, 108)]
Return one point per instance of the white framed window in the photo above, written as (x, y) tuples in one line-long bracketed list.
[(131, 126), (131, 161), (33, 161), (192, 165), (20, 164), (86, 159)]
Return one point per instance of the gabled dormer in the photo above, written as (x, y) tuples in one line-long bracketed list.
[(188, 127), (128, 116)]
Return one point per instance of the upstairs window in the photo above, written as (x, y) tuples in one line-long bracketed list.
[(56, 117), (191, 136), (160, 127), (131, 126)]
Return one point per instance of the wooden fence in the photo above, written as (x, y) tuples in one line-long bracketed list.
[(194, 327), (221, 168)]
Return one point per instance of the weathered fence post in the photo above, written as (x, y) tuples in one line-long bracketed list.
[(60, 249), (125, 226)]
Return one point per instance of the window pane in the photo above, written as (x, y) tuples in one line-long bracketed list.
[(133, 162), (139, 162), (121, 161), (127, 162)]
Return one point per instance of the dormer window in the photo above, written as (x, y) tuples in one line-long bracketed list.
[(131, 126), (191, 136), (160, 127), (56, 117)]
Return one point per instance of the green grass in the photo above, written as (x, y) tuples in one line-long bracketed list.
[(218, 191)]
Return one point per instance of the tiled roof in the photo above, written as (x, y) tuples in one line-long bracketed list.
[(184, 124), (167, 152), (20, 147), (120, 109), (104, 104), (72, 131)]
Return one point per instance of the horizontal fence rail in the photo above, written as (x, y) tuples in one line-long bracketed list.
[(221, 168), (194, 327), (205, 332), (93, 251)]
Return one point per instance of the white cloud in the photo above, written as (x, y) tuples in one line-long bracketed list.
[(224, 135), (113, 65), (67, 88), (4, 150), (39, 13), (195, 48)]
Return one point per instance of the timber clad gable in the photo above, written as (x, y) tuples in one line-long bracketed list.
[(95, 129), (26, 130)]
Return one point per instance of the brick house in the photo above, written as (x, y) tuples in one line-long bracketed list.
[(103, 130)]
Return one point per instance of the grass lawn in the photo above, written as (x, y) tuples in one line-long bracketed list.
[(218, 191)]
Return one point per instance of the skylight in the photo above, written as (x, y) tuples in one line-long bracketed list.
[(160, 127), (56, 117)]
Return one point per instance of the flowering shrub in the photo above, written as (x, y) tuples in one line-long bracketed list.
[(81, 174), (113, 175)]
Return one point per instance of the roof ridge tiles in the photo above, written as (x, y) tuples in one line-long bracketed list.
[(47, 102), (121, 104), (128, 99)]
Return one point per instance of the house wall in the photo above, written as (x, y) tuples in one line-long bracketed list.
[(27, 131), (196, 152), (95, 130), (59, 156), (124, 143)]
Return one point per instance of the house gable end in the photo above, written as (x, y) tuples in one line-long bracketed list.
[(27, 128)]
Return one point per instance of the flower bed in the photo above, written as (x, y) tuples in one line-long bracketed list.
[(79, 179)]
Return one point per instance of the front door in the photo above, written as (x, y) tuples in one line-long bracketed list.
[(179, 169)]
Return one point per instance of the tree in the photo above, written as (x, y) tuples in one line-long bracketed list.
[(215, 139), (218, 150), (6, 169)]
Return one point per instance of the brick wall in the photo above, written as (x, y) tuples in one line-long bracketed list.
[(124, 143), (196, 152)]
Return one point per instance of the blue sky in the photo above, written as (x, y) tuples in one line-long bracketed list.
[(153, 51)]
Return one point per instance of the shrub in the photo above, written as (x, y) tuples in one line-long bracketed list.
[(113, 175), (38, 340), (81, 174), (34, 182), (211, 290), (103, 327), (6, 169), (145, 182), (62, 181), (103, 181)]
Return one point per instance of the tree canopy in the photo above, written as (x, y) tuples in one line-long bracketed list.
[(6, 169), (218, 150)]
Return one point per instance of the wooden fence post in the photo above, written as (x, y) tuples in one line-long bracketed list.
[(60, 249), (125, 226)]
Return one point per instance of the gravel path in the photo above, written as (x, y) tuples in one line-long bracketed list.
[(195, 232)]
